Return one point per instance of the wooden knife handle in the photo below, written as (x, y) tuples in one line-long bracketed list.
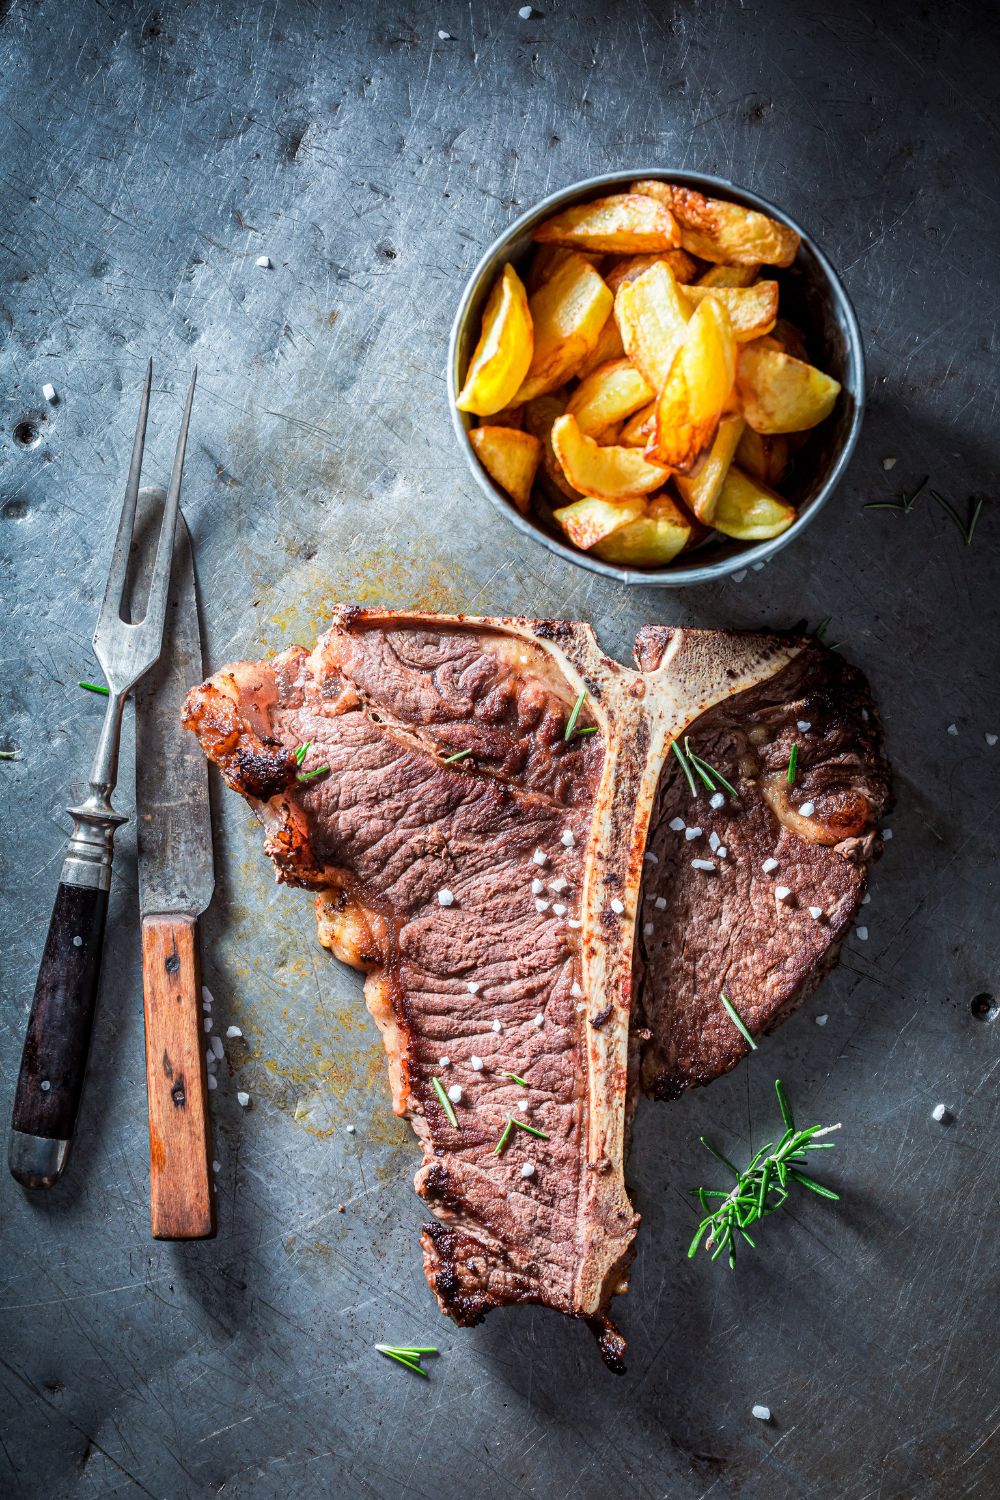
[(181, 1192), (50, 1081)]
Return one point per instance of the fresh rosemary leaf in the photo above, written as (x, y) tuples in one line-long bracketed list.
[(820, 630), (697, 760), (571, 721), (965, 527), (450, 760), (311, 775), (301, 752), (501, 1143), (402, 1357), (793, 764), (731, 1012), (529, 1128), (884, 505), (783, 1105), (587, 729), (719, 1156), (702, 767), (515, 1079), (445, 1102), (812, 1184), (95, 687), (684, 766), (908, 500)]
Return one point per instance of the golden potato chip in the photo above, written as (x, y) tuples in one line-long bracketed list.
[(748, 510), (609, 346), (503, 354), (652, 317), (610, 394), (752, 310), (511, 458), (680, 263), (729, 276), (696, 391), (590, 519), (780, 394), (700, 491), (608, 473), (719, 231), (651, 540), (568, 312), (626, 222), (763, 457)]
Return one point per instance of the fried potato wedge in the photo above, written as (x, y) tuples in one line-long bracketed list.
[(614, 473), (651, 540), (638, 430), (753, 310), (701, 491), (684, 268), (610, 394), (627, 223), (696, 391), (503, 355), (780, 394), (763, 457), (724, 232), (546, 260), (590, 520), (511, 458), (748, 510), (539, 415), (568, 312), (609, 346), (652, 317), (729, 276)]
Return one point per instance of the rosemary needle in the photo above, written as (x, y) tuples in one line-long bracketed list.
[(445, 1102), (515, 1079), (311, 775), (408, 1356), (684, 766), (571, 721), (450, 760), (793, 764), (513, 1124), (733, 1015), (301, 751), (95, 687)]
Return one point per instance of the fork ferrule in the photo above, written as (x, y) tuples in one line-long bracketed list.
[(91, 845)]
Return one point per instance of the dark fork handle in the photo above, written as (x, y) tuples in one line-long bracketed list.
[(54, 1060)]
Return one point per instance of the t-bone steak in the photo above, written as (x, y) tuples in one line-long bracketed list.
[(483, 862)]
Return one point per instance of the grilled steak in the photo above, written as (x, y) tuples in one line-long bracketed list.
[(492, 898)]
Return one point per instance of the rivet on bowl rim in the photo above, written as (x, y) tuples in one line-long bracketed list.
[(814, 291)]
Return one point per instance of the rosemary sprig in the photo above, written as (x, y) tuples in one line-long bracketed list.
[(731, 1012), (965, 527), (761, 1187), (513, 1124), (445, 1102), (707, 774), (95, 687), (515, 1079), (301, 752), (450, 760), (684, 766), (408, 1355), (311, 775), (793, 764), (571, 728), (904, 503)]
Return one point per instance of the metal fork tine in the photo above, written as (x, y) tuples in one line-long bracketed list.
[(157, 607), (117, 573)]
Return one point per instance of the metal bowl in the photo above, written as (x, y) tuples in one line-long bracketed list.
[(812, 295)]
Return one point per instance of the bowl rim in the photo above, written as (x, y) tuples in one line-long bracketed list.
[(692, 574)]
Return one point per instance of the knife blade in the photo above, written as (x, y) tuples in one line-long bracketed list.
[(176, 881)]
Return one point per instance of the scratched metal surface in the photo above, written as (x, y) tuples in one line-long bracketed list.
[(149, 157)]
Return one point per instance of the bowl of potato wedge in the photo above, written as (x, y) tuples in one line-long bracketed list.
[(658, 375)]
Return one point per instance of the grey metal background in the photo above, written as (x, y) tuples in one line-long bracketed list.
[(149, 156)]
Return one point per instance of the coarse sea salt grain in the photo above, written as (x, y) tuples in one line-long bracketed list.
[(648, 928), (455, 1093), (782, 892), (807, 809), (952, 728), (242, 1098), (476, 1063), (677, 824), (233, 1031), (576, 991), (558, 885), (217, 1048), (264, 261), (445, 36), (886, 833), (722, 851), (207, 998), (815, 912), (758, 567), (739, 577), (888, 463), (660, 903), (769, 865), (991, 740), (717, 800), (539, 858), (537, 887), (216, 1166), (526, 12), (445, 898), (539, 1020), (940, 1112), (714, 840), (692, 833), (351, 1129), (861, 933), (528, 1169), (49, 392), (558, 909), (703, 864), (803, 725), (617, 906), (653, 859), (208, 1023), (473, 986), (568, 839), (822, 1020), (78, 941), (213, 1082), (574, 922), (444, 1062), (541, 904), (762, 1413), (496, 1026)]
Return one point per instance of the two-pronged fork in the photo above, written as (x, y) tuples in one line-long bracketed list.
[(54, 1060)]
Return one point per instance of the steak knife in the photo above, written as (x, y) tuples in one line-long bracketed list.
[(176, 880)]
